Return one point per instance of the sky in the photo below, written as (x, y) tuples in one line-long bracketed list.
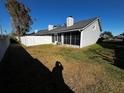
[(45, 12)]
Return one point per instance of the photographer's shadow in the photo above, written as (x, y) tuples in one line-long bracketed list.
[(61, 87), (21, 73)]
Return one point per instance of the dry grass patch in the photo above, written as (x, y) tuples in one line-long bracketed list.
[(86, 70)]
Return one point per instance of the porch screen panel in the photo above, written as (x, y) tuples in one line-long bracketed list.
[(75, 38), (78, 38), (66, 38), (59, 37), (53, 38)]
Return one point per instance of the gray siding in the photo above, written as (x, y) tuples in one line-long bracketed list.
[(90, 35)]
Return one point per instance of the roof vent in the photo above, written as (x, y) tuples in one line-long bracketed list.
[(69, 21)]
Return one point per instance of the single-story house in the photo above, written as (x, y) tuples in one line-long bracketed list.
[(78, 34)]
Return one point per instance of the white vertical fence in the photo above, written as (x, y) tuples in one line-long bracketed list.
[(4, 44), (36, 40)]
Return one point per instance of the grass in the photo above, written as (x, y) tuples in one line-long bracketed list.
[(86, 70)]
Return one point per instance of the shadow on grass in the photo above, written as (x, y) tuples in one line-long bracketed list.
[(118, 48), (21, 73)]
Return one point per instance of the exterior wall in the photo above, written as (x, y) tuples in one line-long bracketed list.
[(90, 35), (36, 40), (4, 44)]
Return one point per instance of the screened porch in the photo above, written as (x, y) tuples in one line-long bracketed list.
[(67, 38)]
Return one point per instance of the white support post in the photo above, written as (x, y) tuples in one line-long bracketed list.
[(81, 39), (70, 38), (62, 38)]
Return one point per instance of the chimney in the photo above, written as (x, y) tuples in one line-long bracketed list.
[(50, 27), (69, 21)]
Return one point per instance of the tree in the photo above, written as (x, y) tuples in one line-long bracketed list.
[(21, 20), (106, 35)]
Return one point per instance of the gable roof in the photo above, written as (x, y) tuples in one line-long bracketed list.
[(78, 25)]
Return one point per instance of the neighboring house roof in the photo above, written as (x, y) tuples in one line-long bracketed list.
[(78, 25), (120, 36)]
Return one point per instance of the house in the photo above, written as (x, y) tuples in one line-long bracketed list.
[(121, 36), (73, 34)]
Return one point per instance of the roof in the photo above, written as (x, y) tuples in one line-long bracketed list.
[(78, 25)]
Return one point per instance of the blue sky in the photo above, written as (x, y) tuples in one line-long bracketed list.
[(47, 12)]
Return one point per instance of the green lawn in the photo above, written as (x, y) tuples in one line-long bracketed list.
[(86, 70)]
